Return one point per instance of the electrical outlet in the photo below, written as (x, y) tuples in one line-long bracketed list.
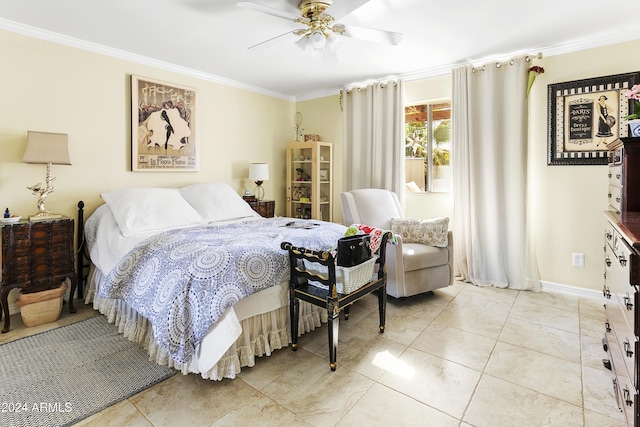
[(578, 259)]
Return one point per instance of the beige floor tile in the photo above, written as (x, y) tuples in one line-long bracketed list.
[(566, 320), (269, 368), (427, 305), (593, 419), (314, 393), (259, 411), (550, 299), (439, 383), (192, 400), (598, 392), (541, 354), (545, 374), (361, 351), (462, 347), (121, 414), (382, 406), (592, 351), (472, 320), (489, 301), (504, 294), (592, 318), (500, 403), (543, 339), (400, 326)]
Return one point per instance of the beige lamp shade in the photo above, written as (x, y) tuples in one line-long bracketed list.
[(258, 171), (47, 147)]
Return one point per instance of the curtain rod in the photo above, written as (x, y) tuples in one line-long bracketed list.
[(499, 64)]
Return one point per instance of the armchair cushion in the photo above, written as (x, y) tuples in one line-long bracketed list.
[(428, 232)]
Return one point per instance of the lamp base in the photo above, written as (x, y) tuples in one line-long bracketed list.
[(259, 192), (44, 216)]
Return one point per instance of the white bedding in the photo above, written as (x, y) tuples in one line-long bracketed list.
[(263, 316)]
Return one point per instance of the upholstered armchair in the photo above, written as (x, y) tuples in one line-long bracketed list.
[(412, 268)]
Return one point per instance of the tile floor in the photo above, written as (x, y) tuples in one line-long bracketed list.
[(462, 356)]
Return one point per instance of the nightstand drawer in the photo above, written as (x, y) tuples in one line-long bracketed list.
[(36, 256)]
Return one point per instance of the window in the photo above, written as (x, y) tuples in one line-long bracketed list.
[(428, 146)]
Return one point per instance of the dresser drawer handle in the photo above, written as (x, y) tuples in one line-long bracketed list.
[(617, 176), (627, 397), (609, 174), (606, 292), (627, 348), (623, 260), (608, 235), (616, 393), (618, 199), (608, 261), (607, 327), (628, 303), (609, 195)]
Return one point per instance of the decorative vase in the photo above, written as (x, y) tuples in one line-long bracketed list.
[(634, 128), (531, 78)]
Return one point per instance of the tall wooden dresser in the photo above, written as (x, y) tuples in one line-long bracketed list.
[(36, 256), (622, 275)]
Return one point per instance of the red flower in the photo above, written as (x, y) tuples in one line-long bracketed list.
[(536, 69)]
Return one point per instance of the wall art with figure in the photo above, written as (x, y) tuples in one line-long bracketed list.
[(584, 116), (162, 127)]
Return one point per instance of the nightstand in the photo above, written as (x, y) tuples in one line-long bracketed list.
[(265, 208), (36, 256)]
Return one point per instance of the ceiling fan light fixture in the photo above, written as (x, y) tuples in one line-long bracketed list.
[(317, 39)]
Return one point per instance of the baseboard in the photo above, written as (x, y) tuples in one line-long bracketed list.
[(570, 290)]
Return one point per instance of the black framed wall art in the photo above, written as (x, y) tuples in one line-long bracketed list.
[(584, 116)]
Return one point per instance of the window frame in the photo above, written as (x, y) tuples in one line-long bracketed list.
[(430, 142)]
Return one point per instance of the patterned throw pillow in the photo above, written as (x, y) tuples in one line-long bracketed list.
[(432, 232)]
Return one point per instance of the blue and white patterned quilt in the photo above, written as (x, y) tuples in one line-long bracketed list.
[(183, 280)]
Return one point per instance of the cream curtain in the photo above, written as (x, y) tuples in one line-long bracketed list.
[(373, 148), (491, 219)]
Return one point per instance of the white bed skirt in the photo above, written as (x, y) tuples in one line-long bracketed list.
[(260, 335)]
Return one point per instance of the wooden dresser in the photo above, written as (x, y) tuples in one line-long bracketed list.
[(36, 256), (622, 275)]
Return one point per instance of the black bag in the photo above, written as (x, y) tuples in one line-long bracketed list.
[(353, 250)]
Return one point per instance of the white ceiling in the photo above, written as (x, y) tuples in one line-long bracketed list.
[(210, 37)]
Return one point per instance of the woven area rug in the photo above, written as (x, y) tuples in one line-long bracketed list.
[(64, 375)]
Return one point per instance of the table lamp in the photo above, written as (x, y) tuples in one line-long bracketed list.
[(259, 172), (46, 148)]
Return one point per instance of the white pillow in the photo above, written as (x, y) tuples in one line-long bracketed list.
[(433, 232), (217, 201), (146, 209)]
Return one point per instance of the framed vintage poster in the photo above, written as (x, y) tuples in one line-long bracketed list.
[(162, 127), (584, 116)]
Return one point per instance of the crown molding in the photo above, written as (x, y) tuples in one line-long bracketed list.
[(614, 37), (58, 38)]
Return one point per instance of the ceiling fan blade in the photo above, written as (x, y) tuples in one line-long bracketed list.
[(270, 41), (377, 36), (340, 8), (268, 10)]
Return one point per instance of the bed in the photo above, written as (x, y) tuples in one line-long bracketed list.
[(195, 276)]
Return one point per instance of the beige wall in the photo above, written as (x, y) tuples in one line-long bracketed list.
[(323, 116), (51, 87), (566, 201)]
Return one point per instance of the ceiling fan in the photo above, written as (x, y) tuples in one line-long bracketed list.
[(321, 31)]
